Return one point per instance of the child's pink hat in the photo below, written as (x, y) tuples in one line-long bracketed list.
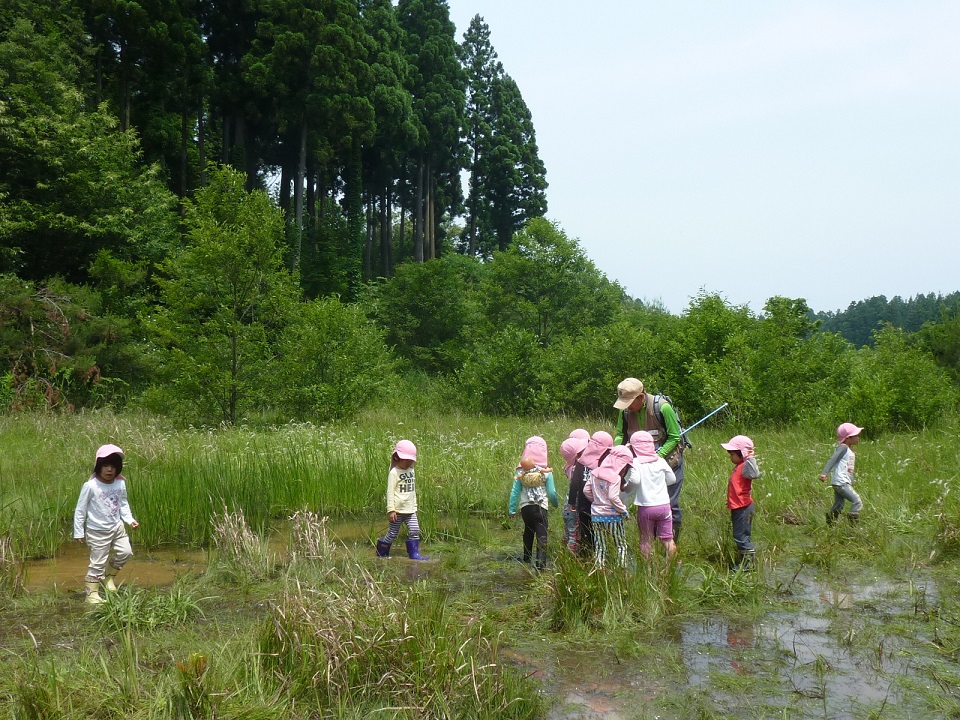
[(739, 442), (847, 430), (406, 450), (596, 448), (641, 442), (108, 450), (618, 458), (569, 449), (613, 463), (536, 449), (580, 433)]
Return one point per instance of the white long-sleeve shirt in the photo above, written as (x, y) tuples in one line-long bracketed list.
[(101, 506)]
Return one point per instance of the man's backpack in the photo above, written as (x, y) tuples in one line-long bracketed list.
[(658, 401)]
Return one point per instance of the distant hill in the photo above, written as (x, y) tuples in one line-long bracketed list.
[(858, 322)]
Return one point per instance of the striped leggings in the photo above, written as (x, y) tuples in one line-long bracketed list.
[(605, 533), (413, 527)]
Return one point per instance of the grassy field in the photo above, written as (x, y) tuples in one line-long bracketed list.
[(295, 617)]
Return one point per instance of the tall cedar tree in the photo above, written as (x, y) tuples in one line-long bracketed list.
[(396, 133), (439, 98), (507, 178)]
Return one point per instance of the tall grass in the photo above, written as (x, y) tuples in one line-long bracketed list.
[(179, 480)]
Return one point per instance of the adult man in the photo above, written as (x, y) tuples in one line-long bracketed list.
[(639, 411)]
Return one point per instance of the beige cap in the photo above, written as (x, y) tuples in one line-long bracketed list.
[(628, 391)]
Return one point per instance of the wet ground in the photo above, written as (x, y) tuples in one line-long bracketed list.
[(829, 654)]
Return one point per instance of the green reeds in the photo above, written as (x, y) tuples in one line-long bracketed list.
[(585, 597)]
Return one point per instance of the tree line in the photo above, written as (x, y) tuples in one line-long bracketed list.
[(863, 318), (140, 269)]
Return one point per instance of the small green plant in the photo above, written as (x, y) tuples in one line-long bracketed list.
[(584, 596), (142, 610), (191, 698)]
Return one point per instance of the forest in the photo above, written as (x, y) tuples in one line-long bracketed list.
[(263, 213)]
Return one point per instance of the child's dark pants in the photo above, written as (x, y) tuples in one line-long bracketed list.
[(534, 523), (742, 527)]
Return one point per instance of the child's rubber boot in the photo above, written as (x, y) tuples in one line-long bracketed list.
[(832, 517), (676, 532), (93, 594), (383, 548), (853, 517), (413, 550), (108, 583)]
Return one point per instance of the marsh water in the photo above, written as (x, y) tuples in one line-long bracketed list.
[(829, 653)]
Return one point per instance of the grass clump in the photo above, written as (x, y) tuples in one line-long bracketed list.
[(584, 597), (242, 555), (359, 645), (11, 569)]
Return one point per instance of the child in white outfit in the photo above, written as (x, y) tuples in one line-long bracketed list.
[(840, 468), (102, 510)]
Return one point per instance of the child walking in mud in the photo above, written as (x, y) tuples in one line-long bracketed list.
[(840, 469), (607, 508), (597, 448), (570, 449), (739, 499), (648, 481), (532, 489), (402, 501), (102, 509)]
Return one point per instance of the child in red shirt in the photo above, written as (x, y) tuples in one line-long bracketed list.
[(739, 501)]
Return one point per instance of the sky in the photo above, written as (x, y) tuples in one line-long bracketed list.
[(746, 148)]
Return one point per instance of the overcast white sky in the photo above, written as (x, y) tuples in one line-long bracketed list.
[(746, 147)]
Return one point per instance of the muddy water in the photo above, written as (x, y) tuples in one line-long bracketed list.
[(154, 568)]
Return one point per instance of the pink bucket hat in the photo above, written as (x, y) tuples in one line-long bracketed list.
[(643, 447), (597, 446), (847, 430), (627, 391), (536, 449), (580, 433), (406, 450), (741, 443)]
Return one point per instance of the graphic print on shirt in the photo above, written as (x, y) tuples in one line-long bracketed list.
[(110, 500), (405, 481)]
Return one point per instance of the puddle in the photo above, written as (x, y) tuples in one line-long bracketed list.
[(814, 653), (154, 568)]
